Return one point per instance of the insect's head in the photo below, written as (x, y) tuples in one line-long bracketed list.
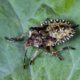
[(35, 41), (29, 42)]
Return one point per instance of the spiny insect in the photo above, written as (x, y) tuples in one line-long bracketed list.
[(46, 36)]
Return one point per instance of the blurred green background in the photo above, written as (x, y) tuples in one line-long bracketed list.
[(16, 16)]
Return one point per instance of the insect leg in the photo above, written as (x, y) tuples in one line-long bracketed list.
[(25, 59), (34, 56), (56, 53), (66, 47), (19, 38)]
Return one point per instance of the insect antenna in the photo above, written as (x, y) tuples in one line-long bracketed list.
[(18, 38), (14, 39)]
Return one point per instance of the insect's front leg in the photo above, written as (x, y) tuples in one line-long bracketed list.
[(34, 56), (19, 38), (28, 61), (25, 60)]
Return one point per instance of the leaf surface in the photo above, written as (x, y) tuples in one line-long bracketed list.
[(16, 16)]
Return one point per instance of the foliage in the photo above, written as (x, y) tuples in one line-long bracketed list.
[(16, 16)]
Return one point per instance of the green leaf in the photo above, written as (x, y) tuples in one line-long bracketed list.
[(16, 16)]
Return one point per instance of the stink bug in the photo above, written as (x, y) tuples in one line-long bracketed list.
[(50, 33)]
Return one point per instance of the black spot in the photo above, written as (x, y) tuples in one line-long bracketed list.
[(56, 28), (62, 26), (40, 46), (54, 39)]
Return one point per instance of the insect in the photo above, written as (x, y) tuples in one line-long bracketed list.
[(46, 36)]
